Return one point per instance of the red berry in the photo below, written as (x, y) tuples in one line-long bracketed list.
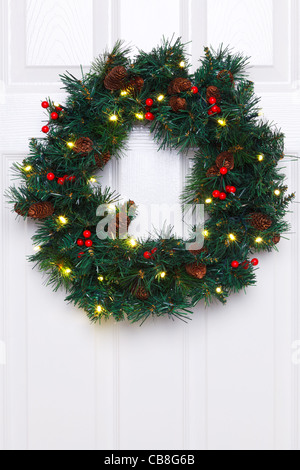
[(45, 129), (58, 108), (223, 196), (81, 254), (218, 110), (51, 176), (255, 262), (147, 255), (89, 243), (215, 109), (228, 189), (223, 171), (61, 181), (212, 100), (246, 266), (71, 179), (150, 117), (45, 104), (233, 189), (216, 194), (235, 264), (154, 251), (149, 102), (54, 116), (195, 90), (80, 242), (87, 234), (210, 112)]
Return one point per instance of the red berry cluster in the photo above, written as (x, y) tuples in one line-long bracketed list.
[(150, 254), (87, 242), (149, 103), (215, 109), (245, 264), (61, 181), (54, 115)]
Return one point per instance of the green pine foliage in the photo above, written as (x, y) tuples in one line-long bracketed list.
[(104, 278)]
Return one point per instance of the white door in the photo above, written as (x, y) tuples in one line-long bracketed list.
[(227, 380)]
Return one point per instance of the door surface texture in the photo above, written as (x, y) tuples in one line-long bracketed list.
[(227, 380)]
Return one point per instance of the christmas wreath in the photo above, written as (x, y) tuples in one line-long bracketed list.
[(235, 175)]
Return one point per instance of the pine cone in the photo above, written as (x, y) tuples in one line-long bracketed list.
[(213, 171), (83, 145), (225, 159), (135, 85), (19, 211), (140, 293), (226, 75), (196, 270), (178, 85), (177, 104), (103, 159), (120, 225), (114, 80), (213, 92), (260, 221), (41, 210), (276, 239)]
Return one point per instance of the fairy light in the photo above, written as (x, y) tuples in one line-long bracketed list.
[(113, 118), (219, 290), (93, 180), (99, 309), (260, 157), (67, 271), (222, 122), (37, 249), (124, 93), (71, 145), (57, 105), (208, 201), (101, 278), (163, 275), (277, 192), (28, 168), (205, 233), (111, 208), (232, 237), (260, 112), (63, 220), (139, 116), (133, 242), (258, 240), (160, 97), (182, 64)]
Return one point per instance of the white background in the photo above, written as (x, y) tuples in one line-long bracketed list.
[(224, 381)]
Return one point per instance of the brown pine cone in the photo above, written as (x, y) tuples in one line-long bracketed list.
[(276, 239), (83, 145), (213, 171), (225, 75), (225, 159), (140, 293), (135, 85), (213, 92), (177, 104), (178, 85), (103, 159), (260, 221), (196, 270), (19, 211), (114, 80), (41, 210)]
